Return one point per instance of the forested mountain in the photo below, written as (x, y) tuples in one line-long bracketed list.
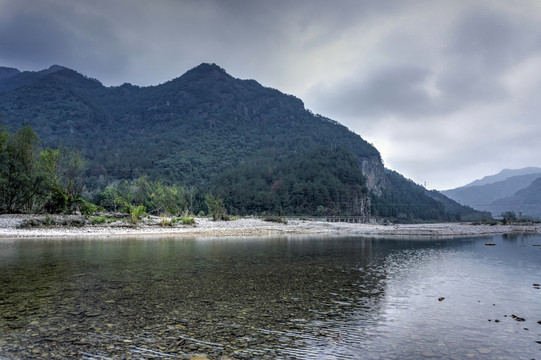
[(6, 72), (257, 148)]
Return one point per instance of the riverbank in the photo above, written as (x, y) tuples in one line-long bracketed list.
[(78, 226)]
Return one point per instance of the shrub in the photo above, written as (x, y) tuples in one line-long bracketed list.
[(188, 220), (47, 220), (216, 208), (164, 221), (98, 220), (135, 212), (86, 207)]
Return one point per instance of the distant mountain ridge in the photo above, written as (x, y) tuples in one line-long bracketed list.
[(206, 126), (525, 202), (505, 191), (503, 175)]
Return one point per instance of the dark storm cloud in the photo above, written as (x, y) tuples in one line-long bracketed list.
[(31, 35), (146, 42), (37, 34)]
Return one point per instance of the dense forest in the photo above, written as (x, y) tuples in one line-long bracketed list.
[(322, 181), (205, 133)]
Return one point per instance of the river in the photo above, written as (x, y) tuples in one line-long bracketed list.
[(268, 298)]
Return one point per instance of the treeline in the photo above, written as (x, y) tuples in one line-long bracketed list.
[(321, 181), (156, 197), (37, 179)]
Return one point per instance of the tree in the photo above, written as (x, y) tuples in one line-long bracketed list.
[(73, 166), (64, 173), (216, 207), (21, 178), (110, 198), (509, 216)]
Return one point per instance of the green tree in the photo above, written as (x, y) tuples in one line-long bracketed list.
[(64, 173), (216, 207), (57, 201), (110, 199), (73, 166), (21, 178)]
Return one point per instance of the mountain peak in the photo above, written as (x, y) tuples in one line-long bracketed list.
[(205, 71), (6, 72), (208, 68), (54, 68)]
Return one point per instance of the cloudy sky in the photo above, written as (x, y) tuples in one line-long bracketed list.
[(449, 91)]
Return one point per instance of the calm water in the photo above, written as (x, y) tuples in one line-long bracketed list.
[(298, 298)]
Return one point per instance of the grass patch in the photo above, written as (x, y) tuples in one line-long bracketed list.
[(165, 221), (188, 220), (98, 220), (102, 219)]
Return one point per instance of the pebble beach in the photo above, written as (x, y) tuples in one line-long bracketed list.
[(10, 227)]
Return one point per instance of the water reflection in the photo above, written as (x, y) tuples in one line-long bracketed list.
[(270, 298)]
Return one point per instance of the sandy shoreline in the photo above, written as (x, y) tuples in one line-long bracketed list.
[(204, 227)]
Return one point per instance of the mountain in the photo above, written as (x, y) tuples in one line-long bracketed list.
[(503, 175), (466, 213), (11, 78), (208, 130), (498, 196), (525, 202), (482, 196), (6, 72)]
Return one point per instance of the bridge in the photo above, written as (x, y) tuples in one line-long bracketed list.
[(352, 219)]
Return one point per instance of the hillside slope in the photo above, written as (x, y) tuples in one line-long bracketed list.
[(482, 196), (204, 125), (525, 202)]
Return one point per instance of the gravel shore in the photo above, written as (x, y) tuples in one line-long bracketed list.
[(204, 227)]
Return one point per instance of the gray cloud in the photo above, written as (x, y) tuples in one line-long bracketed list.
[(464, 66), (422, 80), (39, 34), (385, 92), (484, 45)]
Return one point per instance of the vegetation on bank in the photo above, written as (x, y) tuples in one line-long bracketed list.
[(320, 181), (37, 179)]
